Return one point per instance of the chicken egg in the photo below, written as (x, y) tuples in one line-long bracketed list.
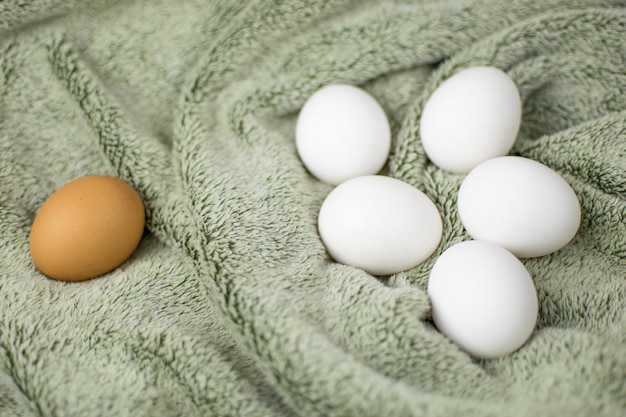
[(483, 299), (471, 117), (520, 204), (87, 228), (379, 224), (341, 133)]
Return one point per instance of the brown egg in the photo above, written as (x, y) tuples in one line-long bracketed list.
[(87, 228)]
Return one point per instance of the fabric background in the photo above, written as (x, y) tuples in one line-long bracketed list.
[(230, 306)]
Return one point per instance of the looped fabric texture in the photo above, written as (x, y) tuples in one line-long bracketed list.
[(231, 306)]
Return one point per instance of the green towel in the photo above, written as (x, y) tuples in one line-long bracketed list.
[(231, 306)]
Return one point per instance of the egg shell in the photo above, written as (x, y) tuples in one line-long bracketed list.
[(87, 228), (483, 299), (520, 204), (379, 224), (471, 117), (341, 133)]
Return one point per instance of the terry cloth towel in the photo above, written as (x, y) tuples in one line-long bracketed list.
[(231, 306)]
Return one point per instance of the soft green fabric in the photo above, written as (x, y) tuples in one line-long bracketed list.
[(230, 306)]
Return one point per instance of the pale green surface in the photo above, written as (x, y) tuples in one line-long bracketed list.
[(230, 306)]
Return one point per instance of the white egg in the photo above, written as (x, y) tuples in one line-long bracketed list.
[(519, 204), (471, 117), (341, 133), (483, 299), (379, 224)]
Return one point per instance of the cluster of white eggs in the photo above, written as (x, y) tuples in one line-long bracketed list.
[(482, 296)]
